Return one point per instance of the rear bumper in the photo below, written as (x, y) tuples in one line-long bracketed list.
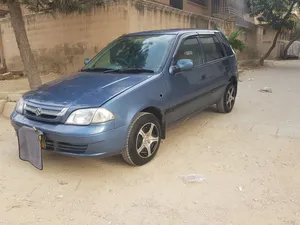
[(94, 140)]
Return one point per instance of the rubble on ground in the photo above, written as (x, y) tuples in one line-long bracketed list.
[(11, 75), (266, 90)]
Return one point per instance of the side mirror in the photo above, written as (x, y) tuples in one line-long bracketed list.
[(86, 61), (182, 65)]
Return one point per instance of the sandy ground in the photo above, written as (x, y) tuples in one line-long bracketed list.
[(250, 159)]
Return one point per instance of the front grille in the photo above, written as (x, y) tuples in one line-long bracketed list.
[(49, 145), (65, 147), (43, 112), (41, 116)]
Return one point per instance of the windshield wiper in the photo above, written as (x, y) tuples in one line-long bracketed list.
[(130, 70), (97, 69)]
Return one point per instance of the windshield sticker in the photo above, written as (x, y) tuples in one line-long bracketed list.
[(188, 53)]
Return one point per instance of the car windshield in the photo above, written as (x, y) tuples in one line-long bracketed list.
[(133, 53)]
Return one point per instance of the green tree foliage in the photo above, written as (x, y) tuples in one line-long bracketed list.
[(61, 6), (276, 13), (235, 42)]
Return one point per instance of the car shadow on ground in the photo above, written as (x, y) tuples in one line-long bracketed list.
[(57, 162), (75, 161)]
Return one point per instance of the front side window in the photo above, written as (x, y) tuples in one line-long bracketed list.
[(212, 48), (136, 52), (189, 49)]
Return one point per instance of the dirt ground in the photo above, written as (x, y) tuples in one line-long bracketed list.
[(250, 159)]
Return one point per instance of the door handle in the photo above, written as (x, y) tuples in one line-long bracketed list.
[(203, 76)]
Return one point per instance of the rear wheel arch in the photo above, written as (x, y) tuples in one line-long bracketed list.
[(233, 80)]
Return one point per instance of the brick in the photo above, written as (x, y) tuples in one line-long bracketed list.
[(8, 109)]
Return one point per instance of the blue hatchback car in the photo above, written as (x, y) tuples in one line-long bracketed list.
[(122, 100)]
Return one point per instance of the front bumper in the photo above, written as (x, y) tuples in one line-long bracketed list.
[(93, 140)]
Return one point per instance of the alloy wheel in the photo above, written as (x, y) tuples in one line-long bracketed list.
[(230, 97), (147, 140)]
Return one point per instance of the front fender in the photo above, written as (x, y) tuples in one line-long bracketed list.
[(150, 93), (159, 113)]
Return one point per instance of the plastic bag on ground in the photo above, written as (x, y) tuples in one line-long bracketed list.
[(193, 178)]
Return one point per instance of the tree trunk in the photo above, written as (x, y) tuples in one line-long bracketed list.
[(286, 48), (29, 63), (287, 15), (262, 59)]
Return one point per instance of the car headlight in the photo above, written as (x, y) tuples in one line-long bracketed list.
[(88, 116), (20, 106)]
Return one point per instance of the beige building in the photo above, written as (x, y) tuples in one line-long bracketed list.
[(61, 43), (202, 7)]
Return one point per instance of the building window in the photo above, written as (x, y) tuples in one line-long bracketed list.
[(199, 2), (178, 4)]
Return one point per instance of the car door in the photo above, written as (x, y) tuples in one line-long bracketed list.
[(231, 58), (216, 66), (187, 93)]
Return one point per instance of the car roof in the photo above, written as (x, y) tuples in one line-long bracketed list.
[(172, 31)]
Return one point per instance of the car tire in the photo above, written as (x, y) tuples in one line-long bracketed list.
[(226, 103), (143, 140)]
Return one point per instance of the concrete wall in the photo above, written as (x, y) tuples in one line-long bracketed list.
[(267, 36), (24, 9), (61, 43), (252, 38)]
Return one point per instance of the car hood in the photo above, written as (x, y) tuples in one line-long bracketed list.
[(84, 89)]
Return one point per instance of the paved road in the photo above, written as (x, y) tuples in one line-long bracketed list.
[(250, 160)]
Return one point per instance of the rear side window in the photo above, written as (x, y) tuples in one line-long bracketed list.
[(189, 49), (226, 44), (212, 48)]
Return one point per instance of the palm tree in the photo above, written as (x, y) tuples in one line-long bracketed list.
[(235, 42)]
